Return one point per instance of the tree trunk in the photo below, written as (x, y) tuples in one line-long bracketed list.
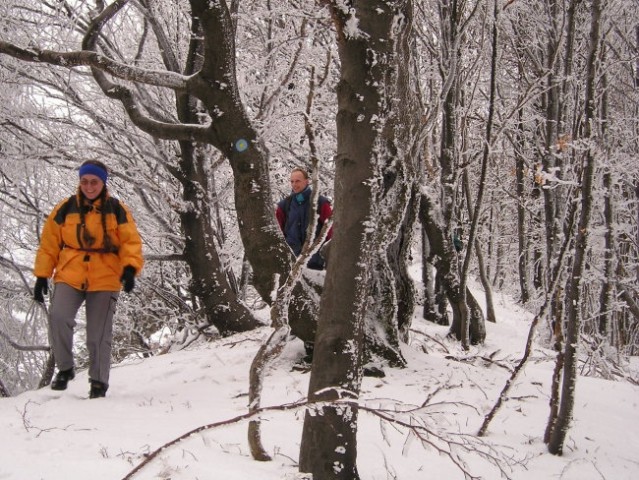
[(265, 248), (49, 370), (399, 256), (440, 230), (607, 289), (478, 329), (573, 321), (216, 86), (445, 262), (607, 297), (551, 104), (522, 242), (4, 391), (209, 282), (555, 382), (434, 297), (381, 329), (483, 276), (372, 188), (452, 278), (485, 282)]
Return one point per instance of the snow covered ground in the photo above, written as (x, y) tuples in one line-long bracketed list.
[(63, 435)]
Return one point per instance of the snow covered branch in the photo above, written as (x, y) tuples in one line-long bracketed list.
[(84, 58)]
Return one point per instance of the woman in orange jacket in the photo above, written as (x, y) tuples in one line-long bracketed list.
[(91, 246)]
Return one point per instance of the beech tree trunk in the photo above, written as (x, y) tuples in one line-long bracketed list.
[(399, 257), (373, 181), (445, 262)]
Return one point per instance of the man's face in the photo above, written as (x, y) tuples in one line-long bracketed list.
[(298, 182)]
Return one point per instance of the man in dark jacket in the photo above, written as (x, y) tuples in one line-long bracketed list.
[(294, 214)]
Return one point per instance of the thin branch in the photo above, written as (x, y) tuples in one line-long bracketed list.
[(412, 419), (23, 348), (559, 265)]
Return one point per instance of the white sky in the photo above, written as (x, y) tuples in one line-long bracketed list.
[(63, 435)]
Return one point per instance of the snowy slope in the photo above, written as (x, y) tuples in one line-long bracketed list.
[(63, 435)]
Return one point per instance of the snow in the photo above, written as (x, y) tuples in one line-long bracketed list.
[(63, 435)]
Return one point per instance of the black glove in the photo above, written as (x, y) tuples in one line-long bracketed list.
[(40, 289), (128, 278)]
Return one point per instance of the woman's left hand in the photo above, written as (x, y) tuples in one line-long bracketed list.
[(128, 278)]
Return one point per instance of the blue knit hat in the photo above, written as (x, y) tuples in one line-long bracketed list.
[(91, 169)]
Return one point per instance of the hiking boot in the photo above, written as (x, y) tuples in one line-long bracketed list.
[(62, 378), (98, 389), (373, 371)]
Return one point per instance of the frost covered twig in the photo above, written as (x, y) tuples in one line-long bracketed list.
[(26, 423), (270, 350), (430, 337), (24, 348), (531, 335), (417, 420), (450, 445), (488, 359)]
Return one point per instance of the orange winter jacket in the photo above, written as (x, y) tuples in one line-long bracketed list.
[(63, 253)]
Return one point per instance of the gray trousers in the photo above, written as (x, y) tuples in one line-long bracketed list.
[(100, 308)]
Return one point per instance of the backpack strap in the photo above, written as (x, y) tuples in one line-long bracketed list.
[(70, 206), (113, 205)]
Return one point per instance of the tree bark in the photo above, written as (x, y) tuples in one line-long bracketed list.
[(607, 288), (443, 256), (433, 310), (399, 256), (49, 370), (573, 320), (4, 391), (483, 276), (522, 239), (373, 183), (555, 381)]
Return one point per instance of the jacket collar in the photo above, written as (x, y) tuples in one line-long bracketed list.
[(303, 196)]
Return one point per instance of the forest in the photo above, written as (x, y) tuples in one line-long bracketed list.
[(496, 141)]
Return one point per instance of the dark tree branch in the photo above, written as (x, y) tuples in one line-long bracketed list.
[(412, 418), (84, 58)]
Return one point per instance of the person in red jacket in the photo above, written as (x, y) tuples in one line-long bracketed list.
[(91, 247), (294, 214)]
